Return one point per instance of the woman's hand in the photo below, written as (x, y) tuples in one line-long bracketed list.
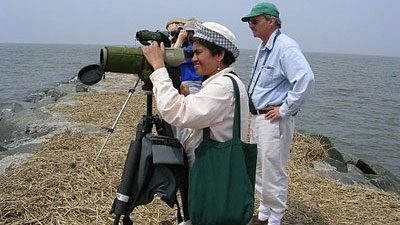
[(155, 54)]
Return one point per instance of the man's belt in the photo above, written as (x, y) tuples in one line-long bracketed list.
[(262, 111), (259, 111)]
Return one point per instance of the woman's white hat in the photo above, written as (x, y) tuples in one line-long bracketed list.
[(217, 34)]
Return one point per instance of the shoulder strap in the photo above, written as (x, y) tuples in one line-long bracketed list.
[(250, 93), (236, 116)]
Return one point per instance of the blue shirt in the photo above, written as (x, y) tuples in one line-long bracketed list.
[(281, 75), (187, 69)]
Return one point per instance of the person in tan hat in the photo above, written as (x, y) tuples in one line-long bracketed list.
[(174, 26), (191, 82), (281, 81)]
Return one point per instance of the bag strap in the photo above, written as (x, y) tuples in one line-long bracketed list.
[(236, 117), (183, 183)]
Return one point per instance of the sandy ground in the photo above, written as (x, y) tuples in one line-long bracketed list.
[(62, 184)]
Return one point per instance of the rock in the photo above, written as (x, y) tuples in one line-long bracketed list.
[(47, 96), (11, 162), (357, 175), (385, 183), (364, 167), (348, 169), (335, 154), (6, 130), (349, 159), (81, 88), (379, 176), (37, 96), (2, 149), (331, 150), (9, 109), (326, 170), (339, 165), (323, 166), (27, 127)]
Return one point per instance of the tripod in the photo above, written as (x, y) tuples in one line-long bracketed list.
[(124, 199), (148, 120), (111, 130)]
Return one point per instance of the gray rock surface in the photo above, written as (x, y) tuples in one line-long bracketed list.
[(349, 170), (24, 129)]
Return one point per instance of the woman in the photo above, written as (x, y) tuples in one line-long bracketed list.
[(213, 106)]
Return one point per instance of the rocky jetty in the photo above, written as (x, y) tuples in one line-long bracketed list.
[(50, 175)]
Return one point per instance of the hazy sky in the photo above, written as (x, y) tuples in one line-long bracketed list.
[(336, 26)]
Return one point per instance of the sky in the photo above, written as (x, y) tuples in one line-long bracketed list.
[(363, 27)]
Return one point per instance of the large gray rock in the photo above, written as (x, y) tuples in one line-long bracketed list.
[(348, 169), (380, 176), (339, 165), (353, 176)]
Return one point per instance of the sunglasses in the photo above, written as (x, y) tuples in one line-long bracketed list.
[(253, 21)]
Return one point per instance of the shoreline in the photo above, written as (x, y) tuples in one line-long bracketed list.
[(25, 126), (66, 181)]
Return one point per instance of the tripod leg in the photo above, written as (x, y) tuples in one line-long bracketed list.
[(111, 130)]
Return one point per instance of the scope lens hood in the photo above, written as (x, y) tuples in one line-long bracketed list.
[(90, 74)]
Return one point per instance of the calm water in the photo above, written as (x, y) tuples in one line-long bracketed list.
[(356, 101), (26, 68), (356, 104)]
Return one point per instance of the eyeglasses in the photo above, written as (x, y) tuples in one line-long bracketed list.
[(253, 21)]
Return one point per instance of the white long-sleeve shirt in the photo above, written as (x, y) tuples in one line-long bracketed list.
[(212, 106)]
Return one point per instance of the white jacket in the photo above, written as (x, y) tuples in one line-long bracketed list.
[(212, 106)]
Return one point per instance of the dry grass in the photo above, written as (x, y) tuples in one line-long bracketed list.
[(314, 200), (62, 184)]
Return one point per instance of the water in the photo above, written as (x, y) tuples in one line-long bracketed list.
[(356, 100), (27, 68), (356, 104)]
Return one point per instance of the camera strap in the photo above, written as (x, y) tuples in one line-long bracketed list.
[(250, 93)]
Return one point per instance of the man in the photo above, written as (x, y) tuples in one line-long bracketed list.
[(281, 81), (174, 26), (191, 82)]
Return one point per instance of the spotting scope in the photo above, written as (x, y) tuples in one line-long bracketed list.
[(129, 61)]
